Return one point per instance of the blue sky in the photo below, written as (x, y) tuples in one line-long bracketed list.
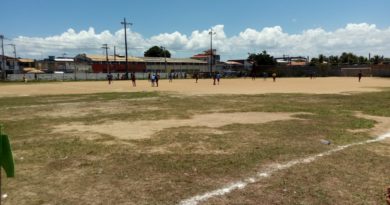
[(34, 19)]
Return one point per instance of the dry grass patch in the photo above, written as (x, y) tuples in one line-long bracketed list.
[(194, 150)]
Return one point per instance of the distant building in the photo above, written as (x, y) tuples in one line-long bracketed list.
[(292, 61), (26, 63), (53, 64), (4, 62), (117, 64), (205, 56), (240, 65), (187, 65), (11, 65)]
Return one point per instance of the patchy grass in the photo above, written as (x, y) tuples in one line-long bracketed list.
[(354, 176), (179, 162)]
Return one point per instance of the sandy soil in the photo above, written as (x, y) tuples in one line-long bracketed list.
[(204, 86), (145, 129)]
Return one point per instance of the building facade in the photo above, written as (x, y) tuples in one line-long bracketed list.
[(117, 64)]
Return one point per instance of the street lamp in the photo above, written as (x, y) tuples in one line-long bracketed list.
[(211, 33), (3, 64), (165, 57), (124, 23), (14, 67)]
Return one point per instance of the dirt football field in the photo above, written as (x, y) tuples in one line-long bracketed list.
[(204, 86), (241, 141)]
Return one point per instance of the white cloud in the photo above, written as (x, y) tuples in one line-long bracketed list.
[(360, 39)]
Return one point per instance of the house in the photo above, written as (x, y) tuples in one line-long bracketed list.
[(26, 64), (205, 56), (62, 64), (10, 64)]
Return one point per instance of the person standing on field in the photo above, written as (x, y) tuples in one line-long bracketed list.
[(170, 77), (274, 76), (360, 75), (196, 77), (109, 78), (133, 79), (152, 79), (156, 79), (218, 77)]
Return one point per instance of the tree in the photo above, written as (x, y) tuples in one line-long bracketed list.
[(377, 59), (348, 58), (157, 51), (321, 58), (314, 61), (262, 58), (362, 60), (334, 60)]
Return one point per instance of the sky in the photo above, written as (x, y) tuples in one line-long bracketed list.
[(40, 28)]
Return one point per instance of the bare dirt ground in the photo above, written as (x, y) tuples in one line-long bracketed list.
[(204, 86), (145, 129)]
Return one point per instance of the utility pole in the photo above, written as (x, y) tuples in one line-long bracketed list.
[(14, 67), (105, 46), (211, 49), (165, 57), (2, 58), (124, 23), (116, 70)]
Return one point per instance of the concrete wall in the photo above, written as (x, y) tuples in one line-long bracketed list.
[(381, 70), (77, 76), (325, 70)]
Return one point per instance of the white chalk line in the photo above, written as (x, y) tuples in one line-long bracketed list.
[(270, 170)]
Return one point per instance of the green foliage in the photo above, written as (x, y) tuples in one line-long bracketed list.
[(377, 59), (344, 58), (157, 51), (334, 60), (262, 58), (348, 58)]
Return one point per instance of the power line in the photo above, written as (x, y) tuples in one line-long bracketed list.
[(2, 56), (124, 23), (211, 50), (105, 46), (14, 67)]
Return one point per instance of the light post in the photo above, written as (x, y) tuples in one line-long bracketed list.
[(125, 25), (165, 57), (14, 66), (211, 33), (105, 46), (3, 63)]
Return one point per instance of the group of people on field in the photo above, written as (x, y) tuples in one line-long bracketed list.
[(110, 77), (154, 78), (265, 76)]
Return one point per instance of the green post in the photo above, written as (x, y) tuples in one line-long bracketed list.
[(6, 159)]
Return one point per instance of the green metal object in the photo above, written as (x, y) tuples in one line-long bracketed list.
[(6, 159)]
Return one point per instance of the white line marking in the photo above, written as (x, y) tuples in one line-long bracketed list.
[(270, 170)]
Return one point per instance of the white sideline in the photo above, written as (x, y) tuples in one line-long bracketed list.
[(269, 170)]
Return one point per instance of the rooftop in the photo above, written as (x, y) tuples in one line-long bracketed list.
[(102, 58)]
